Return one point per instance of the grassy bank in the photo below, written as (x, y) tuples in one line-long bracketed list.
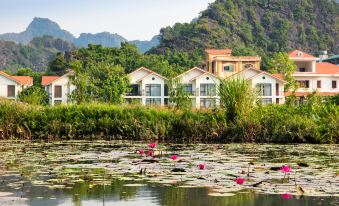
[(275, 124)]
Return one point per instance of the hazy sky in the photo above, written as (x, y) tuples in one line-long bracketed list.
[(133, 19)]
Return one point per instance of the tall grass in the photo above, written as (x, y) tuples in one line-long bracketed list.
[(273, 124)]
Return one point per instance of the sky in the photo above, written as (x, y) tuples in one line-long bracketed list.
[(133, 19)]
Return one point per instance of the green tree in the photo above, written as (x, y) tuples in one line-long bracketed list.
[(237, 97), (58, 64), (281, 63), (29, 72), (179, 98), (34, 95)]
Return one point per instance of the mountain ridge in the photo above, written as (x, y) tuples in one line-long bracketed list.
[(44, 26)]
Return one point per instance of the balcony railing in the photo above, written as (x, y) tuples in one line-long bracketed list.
[(135, 93)]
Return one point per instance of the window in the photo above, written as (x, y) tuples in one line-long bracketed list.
[(302, 69), (57, 91), (188, 89), (247, 66), (334, 84), (318, 84), (207, 103), (265, 101), (10, 90), (264, 90), (213, 67), (166, 90), (229, 68), (304, 84), (153, 90), (277, 89), (207, 90), (300, 54), (135, 90), (153, 101)]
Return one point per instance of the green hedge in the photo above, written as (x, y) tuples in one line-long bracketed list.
[(275, 124)]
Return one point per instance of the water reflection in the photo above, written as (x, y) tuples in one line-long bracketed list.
[(115, 193)]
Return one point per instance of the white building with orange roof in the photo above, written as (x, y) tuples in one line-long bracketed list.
[(147, 88), (312, 76), (11, 86), (201, 86), (58, 88)]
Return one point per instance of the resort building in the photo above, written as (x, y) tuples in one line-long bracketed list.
[(11, 86), (270, 88), (147, 88), (221, 63), (312, 76), (58, 88), (201, 86)]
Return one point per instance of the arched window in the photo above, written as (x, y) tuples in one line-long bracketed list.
[(247, 66)]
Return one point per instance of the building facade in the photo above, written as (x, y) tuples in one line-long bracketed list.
[(147, 88), (11, 86), (313, 76), (58, 88)]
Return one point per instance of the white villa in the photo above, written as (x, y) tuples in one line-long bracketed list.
[(58, 88), (11, 86), (202, 87), (147, 87), (321, 77)]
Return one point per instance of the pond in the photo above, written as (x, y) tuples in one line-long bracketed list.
[(115, 173)]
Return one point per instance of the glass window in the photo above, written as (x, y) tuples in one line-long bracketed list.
[(229, 68), (304, 84), (265, 101), (10, 90), (264, 90), (188, 89), (153, 101), (334, 84), (207, 103), (57, 91), (135, 90), (247, 66), (153, 90), (318, 84), (207, 90)]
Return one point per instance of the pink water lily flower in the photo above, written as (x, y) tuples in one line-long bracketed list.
[(174, 157), (150, 153), (240, 181), (285, 168), (286, 196), (201, 166), (152, 145), (141, 151)]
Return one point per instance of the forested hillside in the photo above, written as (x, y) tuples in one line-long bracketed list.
[(37, 54), (258, 27)]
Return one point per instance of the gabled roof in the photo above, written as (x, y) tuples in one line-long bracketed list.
[(46, 80), (254, 69), (23, 80), (296, 54), (153, 73), (326, 68), (219, 51), (149, 71), (141, 68), (206, 73), (271, 75), (194, 68)]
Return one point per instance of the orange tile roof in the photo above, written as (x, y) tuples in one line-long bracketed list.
[(46, 80), (279, 76), (326, 68), (294, 54), (218, 51), (302, 94), (25, 80)]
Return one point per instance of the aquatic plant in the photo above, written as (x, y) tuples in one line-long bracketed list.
[(240, 180), (201, 166), (174, 157)]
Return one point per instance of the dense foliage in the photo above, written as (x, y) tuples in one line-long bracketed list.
[(36, 55), (274, 123), (258, 27)]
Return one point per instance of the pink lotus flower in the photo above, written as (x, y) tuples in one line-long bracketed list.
[(152, 145), (141, 151), (150, 153), (240, 181), (174, 157), (286, 196), (201, 166), (285, 169)]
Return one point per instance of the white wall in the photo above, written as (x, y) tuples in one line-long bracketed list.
[(4, 82), (67, 89), (326, 83)]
